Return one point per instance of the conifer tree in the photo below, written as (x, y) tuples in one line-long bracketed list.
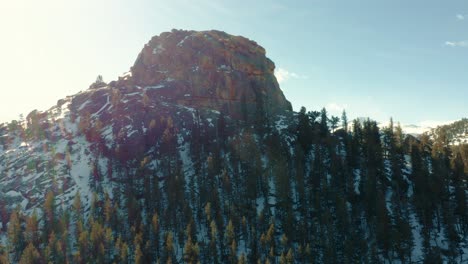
[(3, 255), (344, 121), (15, 235), (154, 236), (460, 184), (229, 233), (124, 253), (30, 255), (191, 251), (334, 120), (242, 259), (290, 257), (213, 242), (169, 247), (31, 233), (49, 214), (282, 259), (304, 130), (138, 255), (323, 123), (233, 252)]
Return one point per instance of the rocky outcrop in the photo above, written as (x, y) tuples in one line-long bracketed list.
[(209, 69), (163, 105)]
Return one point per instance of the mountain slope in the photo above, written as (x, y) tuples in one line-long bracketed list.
[(454, 134), (195, 156)]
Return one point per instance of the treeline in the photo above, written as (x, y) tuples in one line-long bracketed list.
[(317, 192)]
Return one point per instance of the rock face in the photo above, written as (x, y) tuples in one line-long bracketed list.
[(209, 69)]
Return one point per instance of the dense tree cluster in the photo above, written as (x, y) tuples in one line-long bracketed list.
[(320, 192)]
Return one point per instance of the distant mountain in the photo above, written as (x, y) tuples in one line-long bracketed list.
[(416, 130), (195, 156), (454, 134)]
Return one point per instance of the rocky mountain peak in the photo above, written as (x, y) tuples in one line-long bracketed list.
[(210, 69), (182, 85)]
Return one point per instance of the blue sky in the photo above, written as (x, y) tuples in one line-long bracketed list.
[(405, 59)]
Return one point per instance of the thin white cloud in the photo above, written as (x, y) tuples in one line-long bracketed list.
[(282, 75), (461, 44), (460, 17), (336, 108)]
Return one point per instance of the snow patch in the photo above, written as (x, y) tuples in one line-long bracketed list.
[(155, 87), (182, 41), (357, 181), (102, 108), (13, 194), (80, 170), (126, 74), (159, 49), (84, 105)]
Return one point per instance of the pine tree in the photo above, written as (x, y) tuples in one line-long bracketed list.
[(344, 121), (138, 255), (304, 130), (402, 239), (221, 130), (460, 185), (50, 251), (290, 257), (83, 245), (421, 190), (282, 259), (30, 255), (109, 245), (323, 123), (169, 247), (108, 211), (124, 253), (4, 216), (229, 233), (242, 259), (334, 120), (3, 255), (15, 235), (383, 230), (97, 239), (31, 233), (284, 242), (308, 253), (154, 237), (213, 242), (233, 252), (49, 214), (191, 251)]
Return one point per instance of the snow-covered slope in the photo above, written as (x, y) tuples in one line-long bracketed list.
[(63, 148), (455, 131)]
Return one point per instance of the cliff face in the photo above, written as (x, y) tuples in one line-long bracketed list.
[(209, 69)]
